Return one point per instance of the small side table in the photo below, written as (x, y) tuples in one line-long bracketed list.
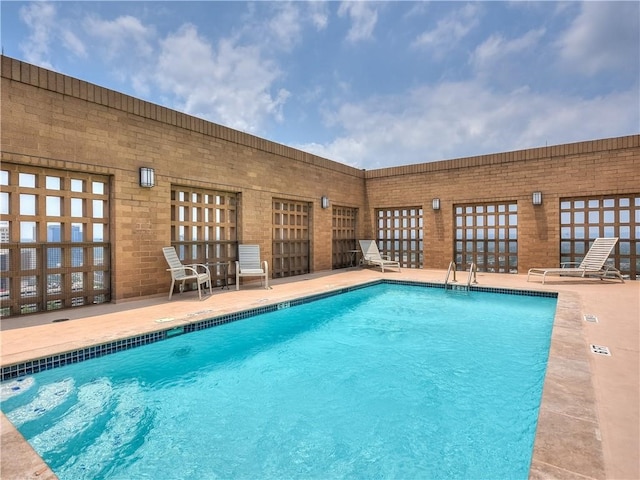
[(352, 257), (225, 271)]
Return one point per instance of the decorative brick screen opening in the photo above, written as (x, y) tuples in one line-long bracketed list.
[(487, 235), (343, 239), (583, 219), (204, 230), (290, 238), (54, 246), (400, 235)]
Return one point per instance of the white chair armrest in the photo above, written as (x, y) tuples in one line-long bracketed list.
[(189, 267), (195, 266)]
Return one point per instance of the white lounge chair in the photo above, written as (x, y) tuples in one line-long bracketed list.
[(371, 256), (248, 264), (182, 273), (592, 265)]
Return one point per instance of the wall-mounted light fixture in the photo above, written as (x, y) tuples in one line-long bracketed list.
[(536, 198), (435, 203), (324, 202), (147, 177)]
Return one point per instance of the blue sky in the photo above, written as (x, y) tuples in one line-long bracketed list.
[(369, 84)]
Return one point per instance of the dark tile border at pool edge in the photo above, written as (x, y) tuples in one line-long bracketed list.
[(59, 360)]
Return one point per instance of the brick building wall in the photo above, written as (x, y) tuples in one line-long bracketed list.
[(52, 121), (592, 168)]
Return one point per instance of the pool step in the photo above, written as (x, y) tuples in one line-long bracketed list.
[(92, 399), (47, 399), (127, 416), (108, 418)]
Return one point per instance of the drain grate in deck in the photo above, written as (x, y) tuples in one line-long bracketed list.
[(588, 317), (600, 350)]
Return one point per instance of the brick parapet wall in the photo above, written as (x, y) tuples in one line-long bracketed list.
[(620, 146), (56, 82)]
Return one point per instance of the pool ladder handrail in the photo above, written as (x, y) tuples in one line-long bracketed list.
[(473, 272), (446, 280)]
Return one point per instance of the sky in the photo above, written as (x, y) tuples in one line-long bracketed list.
[(368, 84)]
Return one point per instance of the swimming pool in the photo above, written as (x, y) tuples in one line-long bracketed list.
[(387, 382)]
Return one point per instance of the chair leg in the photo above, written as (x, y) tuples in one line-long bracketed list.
[(173, 282)]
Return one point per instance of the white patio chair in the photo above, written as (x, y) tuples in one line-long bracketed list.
[(371, 256), (248, 264), (592, 265), (182, 273)]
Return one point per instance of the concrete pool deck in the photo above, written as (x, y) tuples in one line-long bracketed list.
[(589, 421)]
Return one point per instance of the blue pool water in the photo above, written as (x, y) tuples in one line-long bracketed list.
[(385, 382)]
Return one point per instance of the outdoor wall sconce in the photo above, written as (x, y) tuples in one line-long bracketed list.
[(324, 202), (435, 203), (147, 177), (537, 198)]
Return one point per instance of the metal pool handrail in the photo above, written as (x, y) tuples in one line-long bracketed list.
[(473, 271), (446, 280)]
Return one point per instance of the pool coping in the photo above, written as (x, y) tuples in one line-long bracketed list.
[(568, 443)]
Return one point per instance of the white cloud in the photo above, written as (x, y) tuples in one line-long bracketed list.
[(496, 48), (605, 35), (318, 13), (418, 9), (124, 36), (455, 120), (280, 26), (72, 43), (285, 26), (229, 85), (40, 18), (363, 16), (451, 29)]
